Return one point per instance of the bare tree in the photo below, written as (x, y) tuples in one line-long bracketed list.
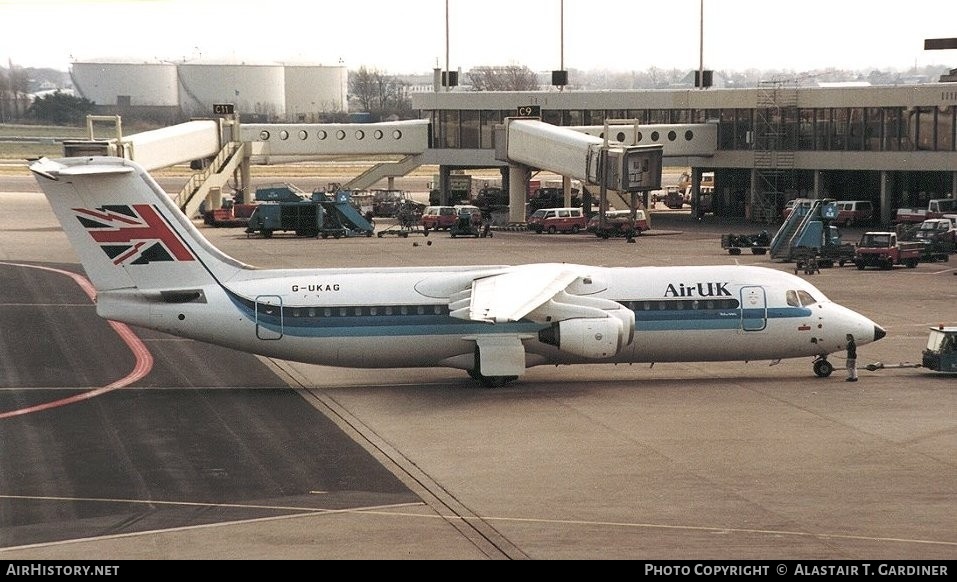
[(379, 94), (18, 84), (509, 78), (4, 94)]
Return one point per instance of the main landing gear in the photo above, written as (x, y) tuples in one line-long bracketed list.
[(491, 381), (822, 368)]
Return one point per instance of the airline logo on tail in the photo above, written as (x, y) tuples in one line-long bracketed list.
[(135, 234)]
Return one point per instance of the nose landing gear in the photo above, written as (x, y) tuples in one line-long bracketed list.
[(822, 368)]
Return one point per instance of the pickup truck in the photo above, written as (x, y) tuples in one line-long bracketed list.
[(883, 250), (935, 209)]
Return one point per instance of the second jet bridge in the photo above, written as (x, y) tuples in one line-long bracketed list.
[(596, 161)]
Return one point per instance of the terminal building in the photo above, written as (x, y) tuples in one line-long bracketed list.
[(893, 145)]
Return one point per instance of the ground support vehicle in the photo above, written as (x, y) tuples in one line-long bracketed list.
[(618, 223), (469, 223), (438, 217), (883, 250), (938, 237), (812, 259), (408, 221), (674, 198), (936, 250), (854, 212), (318, 217), (552, 220), (387, 202), (758, 243), (940, 355), (936, 208), (229, 215)]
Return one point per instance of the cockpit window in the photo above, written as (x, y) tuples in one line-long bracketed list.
[(800, 298), (806, 298), (792, 297)]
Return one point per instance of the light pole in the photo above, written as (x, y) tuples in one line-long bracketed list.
[(560, 77), (447, 75), (701, 46)]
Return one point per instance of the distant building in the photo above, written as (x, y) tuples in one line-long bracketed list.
[(171, 92)]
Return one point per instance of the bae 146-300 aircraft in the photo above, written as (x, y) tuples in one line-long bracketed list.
[(153, 268)]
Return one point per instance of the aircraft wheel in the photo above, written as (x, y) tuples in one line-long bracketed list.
[(491, 381), (823, 368)]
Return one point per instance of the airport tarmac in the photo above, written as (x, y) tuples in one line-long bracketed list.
[(219, 455)]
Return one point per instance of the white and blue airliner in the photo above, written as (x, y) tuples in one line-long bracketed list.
[(153, 268)]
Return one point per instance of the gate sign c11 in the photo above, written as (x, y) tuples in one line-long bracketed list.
[(223, 109), (529, 110)]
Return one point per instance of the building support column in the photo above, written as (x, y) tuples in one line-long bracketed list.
[(696, 191), (753, 196), (517, 188), (887, 197), (444, 173), (817, 194), (953, 184), (245, 177), (567, 190)]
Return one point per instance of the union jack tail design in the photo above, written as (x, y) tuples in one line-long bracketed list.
[(126, 230), (135, 234)]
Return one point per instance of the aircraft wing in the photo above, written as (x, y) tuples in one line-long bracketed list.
[(512, 295)]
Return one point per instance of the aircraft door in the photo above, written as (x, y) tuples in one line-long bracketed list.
[(268, 317), (754, 308)]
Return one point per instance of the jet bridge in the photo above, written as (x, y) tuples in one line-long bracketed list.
[(610, 165), (226, 149)]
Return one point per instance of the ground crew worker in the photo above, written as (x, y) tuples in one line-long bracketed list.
[(851, 359)]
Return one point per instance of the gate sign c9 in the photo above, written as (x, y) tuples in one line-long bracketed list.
[(529, 110)]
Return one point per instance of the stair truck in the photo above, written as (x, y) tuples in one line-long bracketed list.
[(809, 237)]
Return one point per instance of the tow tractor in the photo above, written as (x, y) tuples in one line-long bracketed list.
[(940, 355)]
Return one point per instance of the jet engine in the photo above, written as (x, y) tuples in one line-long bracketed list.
[(587, 337)]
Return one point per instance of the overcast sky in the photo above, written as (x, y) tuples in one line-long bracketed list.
[(400, 37)]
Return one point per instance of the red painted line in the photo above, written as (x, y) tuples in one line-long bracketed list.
[(144, 359)]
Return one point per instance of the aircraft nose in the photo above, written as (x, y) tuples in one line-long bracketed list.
[(879, 332)]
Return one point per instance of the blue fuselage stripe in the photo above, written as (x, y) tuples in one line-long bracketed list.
[(338, 321)]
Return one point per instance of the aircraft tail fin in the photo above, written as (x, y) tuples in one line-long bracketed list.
[(125, 229)]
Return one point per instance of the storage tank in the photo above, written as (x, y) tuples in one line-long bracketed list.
[(126, 83), (257, 90), (312, 90)]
